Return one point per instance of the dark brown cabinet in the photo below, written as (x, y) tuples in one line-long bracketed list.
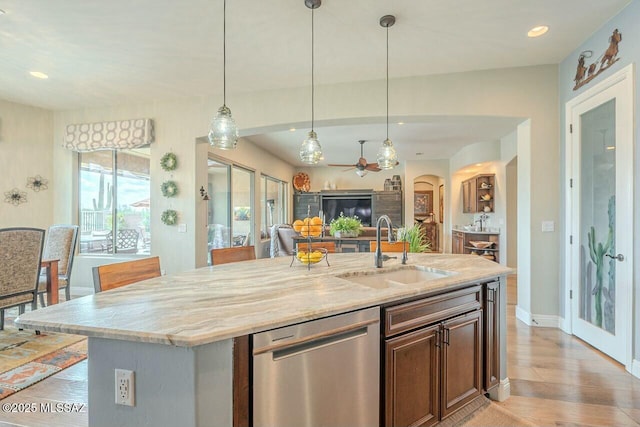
[(491, 322), (461, 361), (306, 204), (478, 194), (433, 357), (460, 244), (387, 203)]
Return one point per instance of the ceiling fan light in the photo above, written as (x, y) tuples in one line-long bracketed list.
[(223, 133), (361, 172), (310, 150), (387, 157)]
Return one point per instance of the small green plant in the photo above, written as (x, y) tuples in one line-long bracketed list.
[(345, 224), (416, 237)]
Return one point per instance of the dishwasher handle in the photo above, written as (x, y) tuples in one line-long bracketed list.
[(325, 337)]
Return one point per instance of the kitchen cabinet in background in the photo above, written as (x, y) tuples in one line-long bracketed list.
[(478, 194)]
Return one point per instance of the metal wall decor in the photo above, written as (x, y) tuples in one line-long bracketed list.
[(37, 183), (585, 74), (15, 197)]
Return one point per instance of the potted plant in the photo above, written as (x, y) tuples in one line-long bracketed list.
[(345, 226), (416, 237)]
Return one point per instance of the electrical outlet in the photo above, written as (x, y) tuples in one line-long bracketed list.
[(125, 387)]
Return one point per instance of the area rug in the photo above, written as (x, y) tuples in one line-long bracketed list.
[(26, 358), (483, 413)]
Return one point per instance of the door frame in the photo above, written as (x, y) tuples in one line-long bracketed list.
[(624, 76)]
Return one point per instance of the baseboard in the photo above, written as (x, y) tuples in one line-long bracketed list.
[(565, 325), (635, 368), (523, 316), (502, 391), (546, 321)]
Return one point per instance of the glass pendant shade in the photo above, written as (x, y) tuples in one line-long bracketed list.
[(310, 150), (224, 132), (361, 172), (387, 157)]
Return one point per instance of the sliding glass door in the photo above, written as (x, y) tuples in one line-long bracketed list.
[(230, 213)]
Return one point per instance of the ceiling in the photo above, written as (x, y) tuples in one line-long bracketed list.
[(104, 53)]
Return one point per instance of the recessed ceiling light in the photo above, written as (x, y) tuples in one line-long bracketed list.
[(478, 164), (400, 123), (292, 129), (38, 75), (538, 31)]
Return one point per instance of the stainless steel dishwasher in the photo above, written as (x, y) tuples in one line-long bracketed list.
[(323, 373)]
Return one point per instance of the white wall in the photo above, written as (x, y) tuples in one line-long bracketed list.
[(527, 92), (25, 151)]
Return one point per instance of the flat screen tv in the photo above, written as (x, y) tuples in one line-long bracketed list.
[(359, 206)]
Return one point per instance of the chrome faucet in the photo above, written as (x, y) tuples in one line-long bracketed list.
[(379, 258), (483, 220)]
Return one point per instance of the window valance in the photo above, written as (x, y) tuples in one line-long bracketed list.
[(116, 135)]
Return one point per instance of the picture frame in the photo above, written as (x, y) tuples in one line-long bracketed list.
[(422, 202)]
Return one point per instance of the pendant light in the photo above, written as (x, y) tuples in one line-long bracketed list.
[(310, 150), (387, 157), (223, 133)]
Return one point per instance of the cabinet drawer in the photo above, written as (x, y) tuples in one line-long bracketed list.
[(411, 315)]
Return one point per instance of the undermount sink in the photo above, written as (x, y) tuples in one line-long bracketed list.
[(403, 276)]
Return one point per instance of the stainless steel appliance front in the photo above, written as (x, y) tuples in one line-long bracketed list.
[(319, 373)]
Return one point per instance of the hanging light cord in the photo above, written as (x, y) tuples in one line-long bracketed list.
[(224, 52), (387, 82), (312, 67)]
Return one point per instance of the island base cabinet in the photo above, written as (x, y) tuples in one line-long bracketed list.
[(412, 380), (461, 361)]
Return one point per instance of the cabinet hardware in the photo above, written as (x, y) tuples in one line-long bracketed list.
[(490, 295), (437, 344), (446, 336)]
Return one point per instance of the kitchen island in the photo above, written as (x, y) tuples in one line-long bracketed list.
[(177, 332)]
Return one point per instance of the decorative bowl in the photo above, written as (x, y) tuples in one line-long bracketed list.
[(480, 244)]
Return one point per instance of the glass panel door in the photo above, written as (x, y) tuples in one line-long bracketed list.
[(600, 216), (597, 216), (242, 201), (218, 215)]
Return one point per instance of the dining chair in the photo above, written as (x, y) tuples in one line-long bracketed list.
[(20, 257), (235, 254), (60, 244), (388, 247), (329, 246), (111, 276)]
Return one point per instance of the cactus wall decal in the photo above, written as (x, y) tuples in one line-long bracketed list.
[(597, 252)]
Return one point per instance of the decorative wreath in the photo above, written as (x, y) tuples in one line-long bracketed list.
[(169, 217), (169, 189), (169, 162)]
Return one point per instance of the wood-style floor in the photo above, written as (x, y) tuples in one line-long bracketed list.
[(556, 380)]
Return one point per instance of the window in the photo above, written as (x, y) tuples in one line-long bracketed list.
[(114, 201), (274, 203), (230, 213)]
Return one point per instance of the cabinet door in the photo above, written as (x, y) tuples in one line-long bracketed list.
[(491, 335), (304, 202), (469, 204), (457, 243), (412, 379), (461, 361), (387, 203)]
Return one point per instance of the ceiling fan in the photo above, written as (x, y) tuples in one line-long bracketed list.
[(362, 167)]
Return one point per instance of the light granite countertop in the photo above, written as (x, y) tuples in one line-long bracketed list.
[(216, 303)]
